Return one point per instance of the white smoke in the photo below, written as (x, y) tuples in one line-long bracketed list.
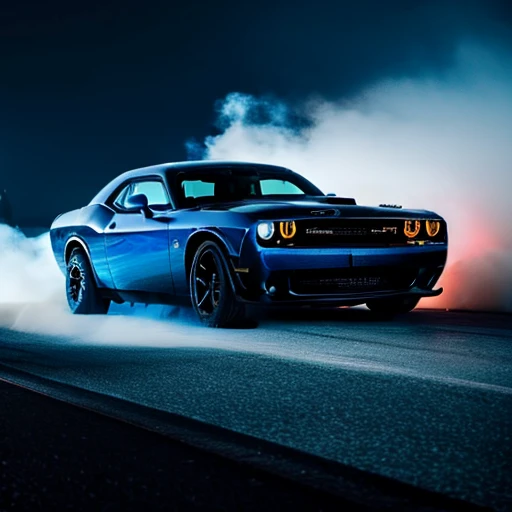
[(28, 270), (442, 144)]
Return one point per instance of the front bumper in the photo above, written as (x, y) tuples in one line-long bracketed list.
[(338, 276)]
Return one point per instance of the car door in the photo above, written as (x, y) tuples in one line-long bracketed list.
[(137, 245)]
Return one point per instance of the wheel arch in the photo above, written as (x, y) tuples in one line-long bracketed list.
[(76, 242), (194, 242)]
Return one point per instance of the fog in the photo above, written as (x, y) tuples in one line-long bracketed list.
[(437, 143), (441, 143), (28, 270)]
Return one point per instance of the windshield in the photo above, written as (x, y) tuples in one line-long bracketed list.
[(194, 188)]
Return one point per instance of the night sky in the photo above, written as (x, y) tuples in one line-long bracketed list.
[(89, 90)]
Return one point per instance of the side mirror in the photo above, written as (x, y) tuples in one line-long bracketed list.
[(139, 203), (331, 194)]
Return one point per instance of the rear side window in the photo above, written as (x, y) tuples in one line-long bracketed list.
[(153, 190)]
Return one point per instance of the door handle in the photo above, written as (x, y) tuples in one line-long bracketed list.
[(112, 226)]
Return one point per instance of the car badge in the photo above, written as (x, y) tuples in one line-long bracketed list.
[(385, 229)]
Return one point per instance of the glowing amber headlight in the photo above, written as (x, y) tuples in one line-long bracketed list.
[(412, 228), (288, 229), (433, 227)]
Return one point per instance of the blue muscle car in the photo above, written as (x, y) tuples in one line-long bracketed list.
[(227, 236)]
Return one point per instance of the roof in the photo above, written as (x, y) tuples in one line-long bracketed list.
[(161, 169), (198, 164)]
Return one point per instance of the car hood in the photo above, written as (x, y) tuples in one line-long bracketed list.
[(328, 208)]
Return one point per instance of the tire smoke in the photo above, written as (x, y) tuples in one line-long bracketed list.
[(442, 144), (438, 143), (28, 271)]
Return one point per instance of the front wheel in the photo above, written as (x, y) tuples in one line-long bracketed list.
[(212, 294), (82, 293), (393, 306)]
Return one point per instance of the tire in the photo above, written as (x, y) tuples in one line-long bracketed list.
[(393, 307), (82, 294), (211, 292)]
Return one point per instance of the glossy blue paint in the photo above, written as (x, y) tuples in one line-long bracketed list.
[(415, 255), (184, 228), (85, 227), (135, 253), (270, 265), (283, 258)]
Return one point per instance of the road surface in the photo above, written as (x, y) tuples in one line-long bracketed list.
[(425, 399)]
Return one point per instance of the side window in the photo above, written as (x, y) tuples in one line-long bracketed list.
[(280, 187), (153, 190), (197, 188)]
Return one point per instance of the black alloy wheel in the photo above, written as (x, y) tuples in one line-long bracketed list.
[(82, 293), (211, 291)]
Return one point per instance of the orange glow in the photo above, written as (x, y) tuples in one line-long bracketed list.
[(288, 229), (412, 228), (433, 227), (476, 274)]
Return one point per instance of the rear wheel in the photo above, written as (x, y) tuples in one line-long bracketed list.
[(82, 293), (393, 306), (212, 294)]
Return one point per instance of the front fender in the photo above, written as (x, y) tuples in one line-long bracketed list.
[(229, 240)]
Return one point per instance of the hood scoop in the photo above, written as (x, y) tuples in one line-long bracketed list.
[(338, 200), (325, 213)]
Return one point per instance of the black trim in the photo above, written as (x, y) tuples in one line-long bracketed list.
[(139, 297)]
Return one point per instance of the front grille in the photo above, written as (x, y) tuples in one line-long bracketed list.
[(346, 232), (337, 231), (346, 281)]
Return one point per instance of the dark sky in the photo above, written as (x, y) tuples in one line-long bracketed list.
[(89, 90)]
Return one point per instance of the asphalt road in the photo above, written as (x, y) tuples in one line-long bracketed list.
[(425, 399)]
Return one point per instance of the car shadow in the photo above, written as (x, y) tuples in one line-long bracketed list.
[(326, 314)]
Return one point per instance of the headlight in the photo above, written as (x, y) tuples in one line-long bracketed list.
[(433, 227), (266, 230)]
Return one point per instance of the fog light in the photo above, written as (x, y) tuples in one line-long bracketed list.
[(266, 230)]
